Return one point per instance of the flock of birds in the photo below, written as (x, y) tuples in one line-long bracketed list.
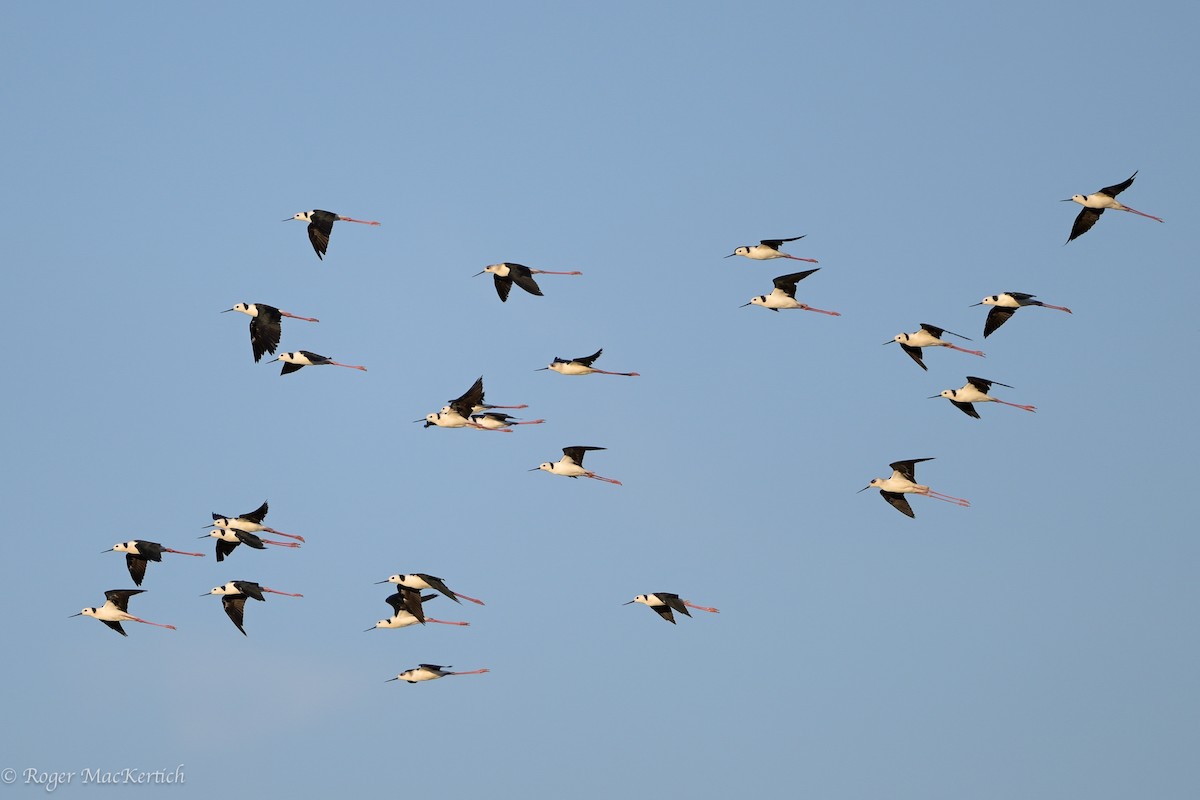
[(470, 411)]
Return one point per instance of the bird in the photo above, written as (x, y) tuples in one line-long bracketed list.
[(767, 249), (116, 610), (264, 325), (976, 391), (902, 482), (250, 522), (234, 595), (571, 465), (928, 336), (305, 358), (506, 273), (403, 618), (1094, 205), (784, 295), (139, 551), (419, 580), (664, 602), (320, 225), (1005, 304), (581, 366), (229, 538), (430, 672), (471, 401), (496, 420)]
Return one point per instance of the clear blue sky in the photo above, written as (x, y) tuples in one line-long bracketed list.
[(1040, 644)]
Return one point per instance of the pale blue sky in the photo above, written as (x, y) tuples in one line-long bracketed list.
[(1040, 644)]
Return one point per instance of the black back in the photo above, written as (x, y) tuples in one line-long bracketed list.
[(465, 404), (318, 233), (787, 283), (265, 330), (575, 452)]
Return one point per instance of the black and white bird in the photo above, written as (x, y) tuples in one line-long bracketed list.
[(419, 580), (784, 295), (581, 366), (928, 336), (1095, 204), (229, 538), (664, 603), (265, 327), (976, 391), (234, 595), (497, 420), (305, 358), (506, 273), (320, 225), (571, 465), (430, 672), (457, 412), (139, 551), (402, 615), (1005, 304), (902, 482), (116, 610), (251, 522), (767, 249)]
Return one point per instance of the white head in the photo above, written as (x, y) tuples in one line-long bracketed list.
[(1078, 198), (546, 466), (304, 216), (126, 547), (644, 599), (88, 612), (497, 269), (990, 300), (742, 251), (900, 337), (761, 300), (948, 394)]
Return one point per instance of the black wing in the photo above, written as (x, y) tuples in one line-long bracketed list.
[(575, 453), (265, 330), (587, 361), (524, 280), (137, 568), (995, 318), (257, 515), (439, 585), (224, 548), (898, 502), (319, 229), (120, 597), (1084, 222), (409, 600), (1113, 191), (503, 287), (983, 384), (289, 368), (116, 626), (674, 601), (465, 403), (915, 354), (906, 468), (937, 332), (775, 243), (235, 608), (966, 408), (787, 283), (665, 613)]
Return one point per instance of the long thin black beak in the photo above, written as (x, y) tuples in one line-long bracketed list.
[(80, 614), (975, 304), (206, 594), (389, 680), (419, 420), (539, 369), (368, 630), (226, 311), (535, 469), (379, 582), (631, 601), (731, 255), (889, 341), (205, 536), (743, 305), (476, 275), (860, 491), (1069, 199), (273, 360), (289, 219), (109, 550), (933, 397)]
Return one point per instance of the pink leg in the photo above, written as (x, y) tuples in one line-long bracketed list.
[(1056, 308), (293, 316), (464, 597), (690, 604), (348, 366), (482, 428), (523, 405), (280, 544), (472, 672), (281, 533), (939, 496), (444, 622), (361, 221), (1140, 214), (819, 311), (276, 591), (148, 622), (529, 422), (626, 374), (964, 350), (606, 480), (1016, 405), (797, 258), (548, 272), (181, 552)]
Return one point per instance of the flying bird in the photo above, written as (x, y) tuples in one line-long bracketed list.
[(1095, 204), (419, 580), (234, 595), (320, 225), (664, 603), (507, 273), (927, 336), (305, 358), (138, 552), (902, 482), (571, 465), (116, 610), (768, 249), (264, 325), (403, 618), (784, 295), (1005, 304), (581, 366), (229, 538), (251, 522), (430, 672), (976, 391)]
